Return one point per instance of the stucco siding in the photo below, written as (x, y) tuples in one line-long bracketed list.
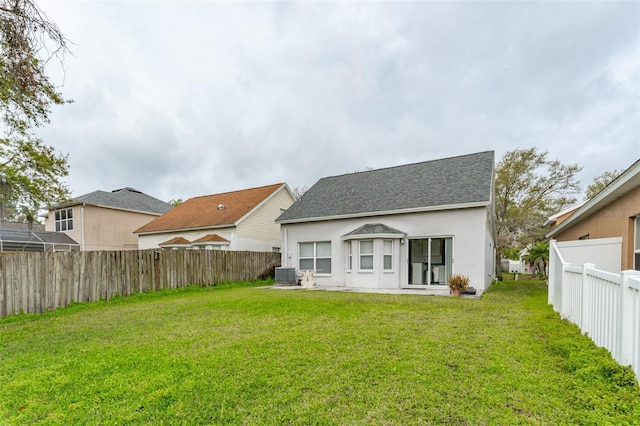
[(378, 277), (614, 220), (260, 225), (75, 233), (562, 218), (489, 257), (467, 228), (98, 228)]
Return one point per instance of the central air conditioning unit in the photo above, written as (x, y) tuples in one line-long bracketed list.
[(286, 276)]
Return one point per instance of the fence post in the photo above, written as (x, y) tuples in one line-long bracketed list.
[(556, 277), (627, 327), (552, 272), (586, 315)]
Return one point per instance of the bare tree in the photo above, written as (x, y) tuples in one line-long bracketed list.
[(299, 190)]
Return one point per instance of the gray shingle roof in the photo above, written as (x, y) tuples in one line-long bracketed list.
[(124, 199), (449, 181), (374, 228)]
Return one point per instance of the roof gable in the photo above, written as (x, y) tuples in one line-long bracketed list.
[(123, 199), (176, 241), (623, 184), (215, 210), (211, 238), (466, 179), (377, 230)]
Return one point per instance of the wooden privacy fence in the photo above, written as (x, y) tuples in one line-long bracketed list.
[(606, 306), (39, 282)]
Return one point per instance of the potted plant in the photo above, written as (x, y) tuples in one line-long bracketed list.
[(458, 283)]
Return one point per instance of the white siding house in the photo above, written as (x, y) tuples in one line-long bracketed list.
[(409, 226), (238, 220)]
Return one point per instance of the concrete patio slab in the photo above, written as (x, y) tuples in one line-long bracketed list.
[(409, 291)]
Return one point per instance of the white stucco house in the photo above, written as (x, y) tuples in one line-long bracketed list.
[(237, 220), (409, 226)]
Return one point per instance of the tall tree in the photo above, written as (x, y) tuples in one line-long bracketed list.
[(600, 182), (31, 172), (529, 188)]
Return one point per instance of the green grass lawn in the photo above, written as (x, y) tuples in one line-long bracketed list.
[(242, 355)]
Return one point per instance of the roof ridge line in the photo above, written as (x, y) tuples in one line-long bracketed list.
[(410, 164), (238, 190)]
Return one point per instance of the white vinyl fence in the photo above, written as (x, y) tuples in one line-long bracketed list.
[(604, 305)]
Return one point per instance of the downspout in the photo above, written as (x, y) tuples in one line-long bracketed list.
[(82, 228), (284, 257)]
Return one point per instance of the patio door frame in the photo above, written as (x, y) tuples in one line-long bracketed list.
[(409, 267)]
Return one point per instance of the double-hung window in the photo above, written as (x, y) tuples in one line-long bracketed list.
[(315, 256), (64, 219), (366, 255), (387, 255)]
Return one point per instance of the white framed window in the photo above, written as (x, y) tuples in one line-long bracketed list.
[(349, 256), (366, 255), (64, 219), (387, 255), (315, 256)]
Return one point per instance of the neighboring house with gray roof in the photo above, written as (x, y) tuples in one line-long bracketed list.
[(409, 226), (104, 220)]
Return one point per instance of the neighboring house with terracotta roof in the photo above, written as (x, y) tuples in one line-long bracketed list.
[(612, 215), (238, 220), (397, 227), (103, 220), (559, 217)]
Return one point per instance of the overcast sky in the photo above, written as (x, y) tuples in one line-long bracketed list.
[(180, 99)]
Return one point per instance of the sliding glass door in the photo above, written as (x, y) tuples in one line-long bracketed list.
[(430, 260)]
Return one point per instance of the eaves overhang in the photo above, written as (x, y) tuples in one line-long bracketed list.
[(372, 236), (552, 219), (211, 243), (627, 181), (387, 212), (198, 228), (82, 203)]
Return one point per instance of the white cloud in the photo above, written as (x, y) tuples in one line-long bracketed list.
[(181, 99)]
